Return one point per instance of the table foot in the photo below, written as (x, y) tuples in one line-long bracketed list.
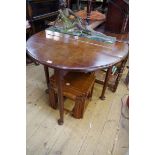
[(46, 91), (36, 63), (60, 122), (102, 98)]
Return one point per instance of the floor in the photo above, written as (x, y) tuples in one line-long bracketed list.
[(102, 131)]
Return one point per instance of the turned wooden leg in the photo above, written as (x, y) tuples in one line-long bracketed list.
[(47, 77), (127, 79), (68, 3), (120, 71), (59, 81), (78, 4), (88, 10), (102, 97)]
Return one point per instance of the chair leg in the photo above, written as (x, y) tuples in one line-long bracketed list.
[(120, 72), (78, 109), (53, 98), (102, 97)]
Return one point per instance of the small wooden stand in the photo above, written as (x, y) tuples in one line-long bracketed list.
[(77, 87)]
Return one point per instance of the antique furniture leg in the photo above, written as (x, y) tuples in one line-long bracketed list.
[(88, 10), (119, 74), (102, 97), (68, 3), (78, 109), (59, 81), (47, 77), (127, 79), (78, 4)]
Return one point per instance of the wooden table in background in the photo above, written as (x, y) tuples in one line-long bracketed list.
[(66, 53)]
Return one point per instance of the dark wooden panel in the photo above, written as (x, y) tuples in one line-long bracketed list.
[(38, 11), (117, 16), (40, 7)]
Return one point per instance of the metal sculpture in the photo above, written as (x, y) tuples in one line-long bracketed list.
[(69, 23)]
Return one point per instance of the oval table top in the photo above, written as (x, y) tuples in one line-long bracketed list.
[(73, 53)]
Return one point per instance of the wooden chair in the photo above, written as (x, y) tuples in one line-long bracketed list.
[(110, 77), (77, 87), (117, 20)]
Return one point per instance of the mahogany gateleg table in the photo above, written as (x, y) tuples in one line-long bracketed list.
[(68, 53)]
